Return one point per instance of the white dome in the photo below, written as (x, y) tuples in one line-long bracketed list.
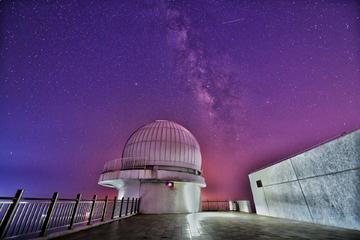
[(164, 143)]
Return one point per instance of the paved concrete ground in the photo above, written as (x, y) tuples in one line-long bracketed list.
[(211, 225)]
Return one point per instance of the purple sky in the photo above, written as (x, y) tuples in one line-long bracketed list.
[(254, 81)]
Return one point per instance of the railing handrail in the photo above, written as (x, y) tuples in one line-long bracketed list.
[(217, 201), (47, 199), (125, 163), (216, 205), (131, 163), (25, 216)]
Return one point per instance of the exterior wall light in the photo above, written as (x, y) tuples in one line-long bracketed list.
[(170, 184)]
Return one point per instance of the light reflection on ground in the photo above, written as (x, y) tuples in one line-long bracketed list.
[(195, 218)]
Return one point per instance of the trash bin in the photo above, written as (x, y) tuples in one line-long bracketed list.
[(233, 206)]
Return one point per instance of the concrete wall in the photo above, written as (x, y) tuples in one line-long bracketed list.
[(321, 185), (244, 206), (157, 198)]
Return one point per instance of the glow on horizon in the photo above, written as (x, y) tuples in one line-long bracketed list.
[(77, 81)]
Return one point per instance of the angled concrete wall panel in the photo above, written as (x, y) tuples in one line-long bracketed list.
[(339, 155), (334, 199), (286, 200), (271, 175), (321, 185), (258, 194)]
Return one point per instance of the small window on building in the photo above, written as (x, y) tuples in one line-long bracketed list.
[(259, 183)]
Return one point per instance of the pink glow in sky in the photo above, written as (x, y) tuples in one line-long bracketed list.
[(254, 81)]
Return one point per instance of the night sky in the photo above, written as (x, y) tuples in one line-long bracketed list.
[(254, 81)]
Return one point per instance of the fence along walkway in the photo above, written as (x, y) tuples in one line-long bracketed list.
[(23, 216), (215, 205)]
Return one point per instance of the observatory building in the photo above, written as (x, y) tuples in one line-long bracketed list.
[(161, 164)]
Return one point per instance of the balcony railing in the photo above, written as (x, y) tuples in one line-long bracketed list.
[(215, 205), (28, 216), (125, 164), (232, 205), (132, 163)]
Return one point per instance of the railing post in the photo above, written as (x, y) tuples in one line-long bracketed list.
[(92, 210), (10, 213), (135, 201), (49, 214), (127, 205), (217, 205), (122, 202), (113, 211), (138, 203), (104, 212), (76, 207), (117, 164), (132, 206), (135, 205), (208, 204)]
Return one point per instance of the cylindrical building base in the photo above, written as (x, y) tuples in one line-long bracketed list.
[(158, 198)]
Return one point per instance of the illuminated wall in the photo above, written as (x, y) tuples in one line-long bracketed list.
[(157, 198), (321, 185)]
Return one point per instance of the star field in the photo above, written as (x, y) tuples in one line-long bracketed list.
[(254, 81)]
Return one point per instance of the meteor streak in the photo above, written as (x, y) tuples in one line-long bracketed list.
[(236, 20)]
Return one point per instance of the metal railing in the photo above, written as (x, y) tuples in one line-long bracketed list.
[(215, 205), (125, 163), (25, 216)]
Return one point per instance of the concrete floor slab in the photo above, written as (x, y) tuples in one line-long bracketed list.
[(211, 225)]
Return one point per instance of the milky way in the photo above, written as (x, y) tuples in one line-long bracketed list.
[(254, 81)]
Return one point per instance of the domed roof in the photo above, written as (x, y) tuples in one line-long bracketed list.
[(164, 143)]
